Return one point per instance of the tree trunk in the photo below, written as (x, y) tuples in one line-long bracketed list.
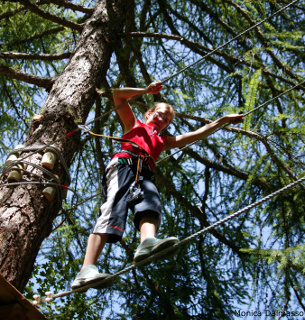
[(26, 216)]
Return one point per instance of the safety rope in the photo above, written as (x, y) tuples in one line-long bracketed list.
[(52, 297), (37, 182), (231, 40), (199, 60), (121, 140), (82, 127), (7, 167), (165, 80), (51, 180), (246, 114)]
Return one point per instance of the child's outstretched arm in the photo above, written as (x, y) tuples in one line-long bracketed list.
[(203, 132), (125, 112)]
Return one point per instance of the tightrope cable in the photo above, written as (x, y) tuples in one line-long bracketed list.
[(199, 60), (165, 80), (231, 40), (181, 243), (190, 238), (246, 114)]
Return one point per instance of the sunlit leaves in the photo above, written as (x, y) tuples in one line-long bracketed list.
[(260, 250)]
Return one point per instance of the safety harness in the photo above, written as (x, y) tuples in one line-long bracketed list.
[(135, 192)]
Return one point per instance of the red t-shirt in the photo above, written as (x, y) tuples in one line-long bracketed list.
[(144, 136)]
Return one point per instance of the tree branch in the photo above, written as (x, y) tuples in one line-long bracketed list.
[(12, 102), (51, 17), (37, 36), (34, 56), (263, 39), (69, 5), (11, 13), (194, 46), (62, 3), (29, 78)]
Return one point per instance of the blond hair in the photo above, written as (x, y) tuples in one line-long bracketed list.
[(157, 105)]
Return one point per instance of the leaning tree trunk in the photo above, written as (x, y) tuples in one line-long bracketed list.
[(26, 216)]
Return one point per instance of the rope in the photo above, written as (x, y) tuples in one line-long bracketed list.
[(165, 80), (11, 164), (246, 114), (178, 245), (199, 60), (34, 165), (184, 241), (82, 127), (53, 180), (37, 182), (147, 156), (233, 39)]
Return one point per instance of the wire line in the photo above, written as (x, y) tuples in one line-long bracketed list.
[(181, 243)]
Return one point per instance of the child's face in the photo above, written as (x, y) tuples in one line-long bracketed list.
[(160, 118)]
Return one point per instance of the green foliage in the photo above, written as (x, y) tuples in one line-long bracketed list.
[(252, 262), (250, 89), (292, 257)]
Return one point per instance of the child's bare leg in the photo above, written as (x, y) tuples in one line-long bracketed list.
[(153, 246), (96, 243), (148, 226), (89, 272)]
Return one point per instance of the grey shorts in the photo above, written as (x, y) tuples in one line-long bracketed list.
[(116, 183)]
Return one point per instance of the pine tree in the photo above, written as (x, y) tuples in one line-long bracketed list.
[(58, 63)]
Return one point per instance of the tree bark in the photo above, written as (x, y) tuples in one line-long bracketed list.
[(26, 216)]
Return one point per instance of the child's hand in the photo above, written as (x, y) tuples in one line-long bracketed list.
[(155, 87)]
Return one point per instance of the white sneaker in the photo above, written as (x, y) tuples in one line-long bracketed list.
[(90, 275), (152, 247)]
